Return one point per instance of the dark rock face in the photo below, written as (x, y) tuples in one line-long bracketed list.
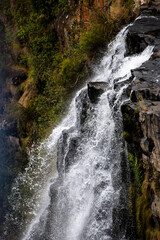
[(145, 30), (152, 8), (141, 116), (66, 150), (95, 89), (83, 104), (12, 157), (145, 88), (146, 25)]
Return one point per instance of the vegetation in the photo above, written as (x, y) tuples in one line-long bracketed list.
[(137, 171), (128, 4), (53, 73), (144, 179)]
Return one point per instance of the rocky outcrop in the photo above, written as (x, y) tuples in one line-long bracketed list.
[(141, 119), (12, 157), (95, 89), (83, 13)]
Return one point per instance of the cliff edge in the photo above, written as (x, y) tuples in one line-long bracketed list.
[(141, 120)]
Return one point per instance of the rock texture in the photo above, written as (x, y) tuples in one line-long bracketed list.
[(95, 89), (12, 157), (83, 13), (141, 118)]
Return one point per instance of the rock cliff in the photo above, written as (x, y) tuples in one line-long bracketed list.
[(84, 13), (12, 157), (141, 118)]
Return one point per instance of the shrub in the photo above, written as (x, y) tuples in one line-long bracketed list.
[(98, 35), (23, 60), (70, 69), (91, 40), (22, 34)]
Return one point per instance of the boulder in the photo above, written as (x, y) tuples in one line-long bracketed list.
[(95, 90)]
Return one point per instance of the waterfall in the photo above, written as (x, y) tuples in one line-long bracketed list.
[(82, 201)]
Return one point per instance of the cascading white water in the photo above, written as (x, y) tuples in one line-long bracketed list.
[(84, 197)]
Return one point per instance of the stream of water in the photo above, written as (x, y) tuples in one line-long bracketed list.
[(82, 202)]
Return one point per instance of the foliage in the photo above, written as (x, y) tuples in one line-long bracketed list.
[(55, 73), (141, 102), (143, 215), (146, 222), (126, 136), (71, 69), (23, 60), (128, 4), (98, 35), (91, 40), (137, 170)]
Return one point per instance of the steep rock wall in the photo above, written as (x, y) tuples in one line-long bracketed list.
[(12, 157), (141, 118), (85, 12)]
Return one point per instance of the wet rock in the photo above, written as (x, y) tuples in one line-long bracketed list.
[(82, 106), (4, 73), (119, 83), (1, 109), (146, 25), (70, 158), (135, 44), (95, 90), (142, 128), (148, 74), (145, 30), (122, 221), (53, 192), (18, 76), (62, 146), (66, 151)]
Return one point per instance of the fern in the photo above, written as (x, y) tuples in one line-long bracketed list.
[(136, 168)]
